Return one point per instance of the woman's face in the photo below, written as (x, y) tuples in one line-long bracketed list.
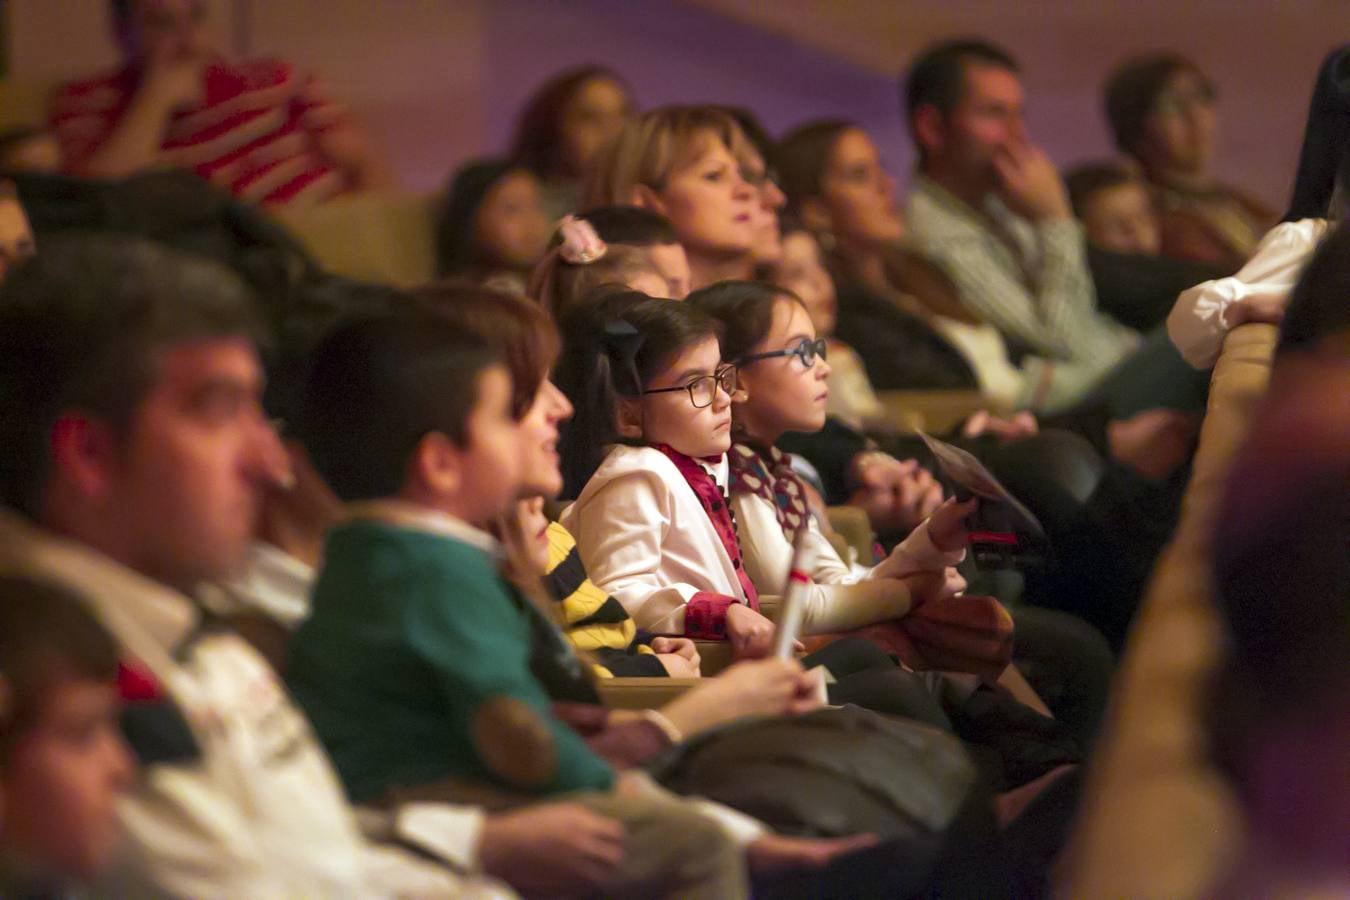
[(781, 393), (592, 117), (768, 248), (511, 228), (708, 201), (802, 271), (540, 469), (1179, 132), (859, 195), (671, 418)]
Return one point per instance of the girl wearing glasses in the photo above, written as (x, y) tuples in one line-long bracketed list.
[(783, 371), (652, 521)]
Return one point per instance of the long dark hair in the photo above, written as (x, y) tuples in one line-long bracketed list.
[(535, 145), (1326, 141), (612, 348)]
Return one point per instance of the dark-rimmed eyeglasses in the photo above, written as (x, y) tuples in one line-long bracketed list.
[(703, 389), (806, 350)]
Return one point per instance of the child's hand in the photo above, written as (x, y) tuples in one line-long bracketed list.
[(678, 655), (750, 634), (947, 525), (933, 587)]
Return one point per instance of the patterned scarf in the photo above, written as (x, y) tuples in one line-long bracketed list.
[(768, 474), (717, 507)]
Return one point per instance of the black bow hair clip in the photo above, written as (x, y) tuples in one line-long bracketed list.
[(622, 342)]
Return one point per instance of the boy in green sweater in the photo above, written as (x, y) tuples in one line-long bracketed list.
[(414, 665)]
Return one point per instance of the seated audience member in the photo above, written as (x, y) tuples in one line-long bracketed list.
[(29, 150), (687, 164), (1279, 718), (1115, 207), (611, 245), (256, 127), (137, 457), (16, 236), (911, 333), (1259, 292), (567, 121), (783, 369), (444, 458), (1161, 110), (1134, 285), (768, 245), (491, 228), (63, 761), (852, 399), (989, 208)]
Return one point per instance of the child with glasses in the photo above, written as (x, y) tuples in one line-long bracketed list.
[(768, 334), (653, 522)]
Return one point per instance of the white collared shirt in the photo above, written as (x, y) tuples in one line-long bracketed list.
[(259, 812), (646, 540), (1200, 320)]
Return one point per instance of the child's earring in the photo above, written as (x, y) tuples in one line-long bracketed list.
[(629, 418)]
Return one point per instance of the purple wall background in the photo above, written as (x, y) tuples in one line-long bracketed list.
[(672, 52)]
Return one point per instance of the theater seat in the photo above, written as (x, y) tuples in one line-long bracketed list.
[(377, 236), (1157, 818)]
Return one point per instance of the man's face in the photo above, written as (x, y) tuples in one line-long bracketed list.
[(16, 237), (986, 119), (185, 487), (166, 30)]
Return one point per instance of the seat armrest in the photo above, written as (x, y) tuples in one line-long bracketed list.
[(642, 693)]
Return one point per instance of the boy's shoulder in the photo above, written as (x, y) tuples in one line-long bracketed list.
[(364, 549)]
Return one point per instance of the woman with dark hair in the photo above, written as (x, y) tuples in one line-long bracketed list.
[(491, 228), (564, 124), (1161, 111)]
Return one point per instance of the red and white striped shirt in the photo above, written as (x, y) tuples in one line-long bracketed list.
[(255, 133)]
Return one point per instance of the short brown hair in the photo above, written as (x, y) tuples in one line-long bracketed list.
[(46, 635), (649, 149), (515, 329)]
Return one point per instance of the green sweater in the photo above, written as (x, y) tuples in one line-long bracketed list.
[(415, 667)]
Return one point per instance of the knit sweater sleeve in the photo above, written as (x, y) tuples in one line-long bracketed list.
[(479, 647)]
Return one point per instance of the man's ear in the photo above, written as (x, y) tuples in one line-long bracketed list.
[(628, 418), (85, 452), (437, 465), (643, 196), (815, 216), (930, 128)]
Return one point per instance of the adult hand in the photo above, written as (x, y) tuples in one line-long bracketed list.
[(1257, 308), (1030, 184), (1018, 425), (678, 655), (765, 687), (557, 848), (750, 633), (947, 525), (776, 853)]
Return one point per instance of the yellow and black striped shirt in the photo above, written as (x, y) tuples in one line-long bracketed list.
[(592, 620)]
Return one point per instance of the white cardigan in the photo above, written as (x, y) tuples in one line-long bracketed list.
[(647, 541), (1199, 322), (837, 600)]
